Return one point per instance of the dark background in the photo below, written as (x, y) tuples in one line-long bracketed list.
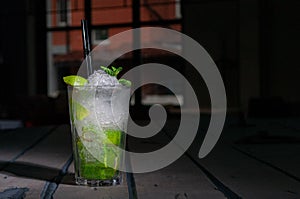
[(255, 44)]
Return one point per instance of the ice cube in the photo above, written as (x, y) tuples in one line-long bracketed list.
[(101, 78)]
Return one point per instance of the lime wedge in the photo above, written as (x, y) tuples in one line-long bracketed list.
[(114, 136), (74, 80), (80, 111)]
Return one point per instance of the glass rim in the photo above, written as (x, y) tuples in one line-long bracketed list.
[(102, 86)]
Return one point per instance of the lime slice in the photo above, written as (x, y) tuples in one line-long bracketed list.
[(80, 111), (114, 136), (74, 80)]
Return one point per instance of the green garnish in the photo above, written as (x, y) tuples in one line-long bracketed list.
[(125, 82), (91, 168), (105, 166), (113, 71), (80, 111), (74, 80), (114, 136)]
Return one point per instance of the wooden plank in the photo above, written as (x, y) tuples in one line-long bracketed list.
[(243, 175), (16, 141), (53, 151), (66, 190), (8, 181), (42, 163), (246, 176), (275, 142), (284, 158), (14, 144), (181, 179), (45, 160)]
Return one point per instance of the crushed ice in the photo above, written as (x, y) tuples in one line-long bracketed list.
[(101, 78)]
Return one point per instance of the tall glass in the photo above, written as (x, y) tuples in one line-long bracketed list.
[(98, 117)]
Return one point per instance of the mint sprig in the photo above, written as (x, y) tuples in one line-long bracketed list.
[(114, 72)]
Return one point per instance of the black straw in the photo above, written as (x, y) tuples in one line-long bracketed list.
[(86, 46)]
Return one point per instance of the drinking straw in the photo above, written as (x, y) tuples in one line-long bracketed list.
[(86, 46)]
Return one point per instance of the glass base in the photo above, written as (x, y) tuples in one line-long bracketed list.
[(98, 183)]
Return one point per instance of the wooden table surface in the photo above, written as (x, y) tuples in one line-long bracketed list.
[(258, 160)]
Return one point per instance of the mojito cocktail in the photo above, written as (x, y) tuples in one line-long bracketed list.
[(98, 113)]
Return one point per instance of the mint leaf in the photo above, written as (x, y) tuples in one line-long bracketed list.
[(107, 70), (113, 71), (125, 82), (117, 70)]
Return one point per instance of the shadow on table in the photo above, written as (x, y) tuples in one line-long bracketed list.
[(39, 172)]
